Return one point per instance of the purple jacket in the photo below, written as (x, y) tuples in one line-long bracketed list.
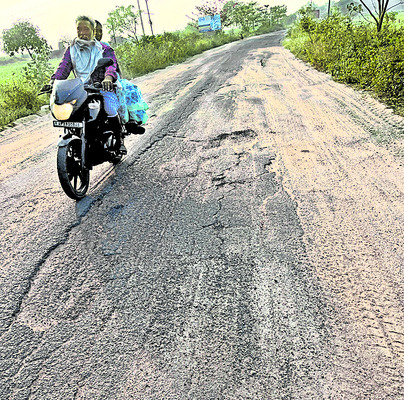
[(66, 66)]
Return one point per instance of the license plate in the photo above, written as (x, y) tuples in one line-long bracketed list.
[(59, 124)]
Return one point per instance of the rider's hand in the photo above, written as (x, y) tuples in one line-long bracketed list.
[(107, 84)]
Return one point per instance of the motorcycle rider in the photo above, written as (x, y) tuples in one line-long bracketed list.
[(98, 30), (81, 57), (131, 125), (98, 36)]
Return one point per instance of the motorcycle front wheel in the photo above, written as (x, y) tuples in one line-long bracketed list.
[(73, 178)]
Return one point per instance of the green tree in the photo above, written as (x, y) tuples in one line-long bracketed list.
[(228, 10), (216, 7), (248, 16), (277, 14), (353, 9), (123, 21), (23, 36), (306, 21)]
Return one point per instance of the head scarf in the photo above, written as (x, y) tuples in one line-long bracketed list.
[(85, 55)]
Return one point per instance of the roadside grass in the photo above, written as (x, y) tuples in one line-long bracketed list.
[(160, 51), (18, 98)]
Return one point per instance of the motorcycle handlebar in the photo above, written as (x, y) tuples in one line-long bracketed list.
[(96, 87), (44, 92)]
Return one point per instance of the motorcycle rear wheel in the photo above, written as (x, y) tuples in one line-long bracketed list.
[(73, 178)]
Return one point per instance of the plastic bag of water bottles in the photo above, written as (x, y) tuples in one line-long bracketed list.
[(131, 104)]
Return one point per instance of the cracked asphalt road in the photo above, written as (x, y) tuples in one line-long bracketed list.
[(249, 247)]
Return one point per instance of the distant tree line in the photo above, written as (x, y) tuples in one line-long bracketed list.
[(248, 16)]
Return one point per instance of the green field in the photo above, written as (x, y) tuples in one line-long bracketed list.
[(12, 71)]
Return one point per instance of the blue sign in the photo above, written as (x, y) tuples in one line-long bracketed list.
[(209, 23)]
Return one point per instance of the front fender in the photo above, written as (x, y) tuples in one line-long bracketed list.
[(65, 140)]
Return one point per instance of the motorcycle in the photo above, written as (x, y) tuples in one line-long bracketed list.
[(88, 140)]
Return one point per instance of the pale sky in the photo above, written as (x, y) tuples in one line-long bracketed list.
[(56, 18)]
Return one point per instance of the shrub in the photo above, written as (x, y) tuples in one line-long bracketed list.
[(353, 53), (18, 99), (156, 52), (39, 70)]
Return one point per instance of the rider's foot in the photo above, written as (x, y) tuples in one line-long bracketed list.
[(134, 127), (139, 130), (122, 149)]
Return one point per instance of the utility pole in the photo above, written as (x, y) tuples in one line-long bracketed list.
[(141, 18), (150, 22), (329, 8)]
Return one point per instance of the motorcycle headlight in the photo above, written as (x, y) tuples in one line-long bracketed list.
[(62, 112)]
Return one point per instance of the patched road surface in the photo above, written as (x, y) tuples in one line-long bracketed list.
[(250, 246)]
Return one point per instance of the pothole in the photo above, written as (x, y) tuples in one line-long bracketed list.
[(233, 136)]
